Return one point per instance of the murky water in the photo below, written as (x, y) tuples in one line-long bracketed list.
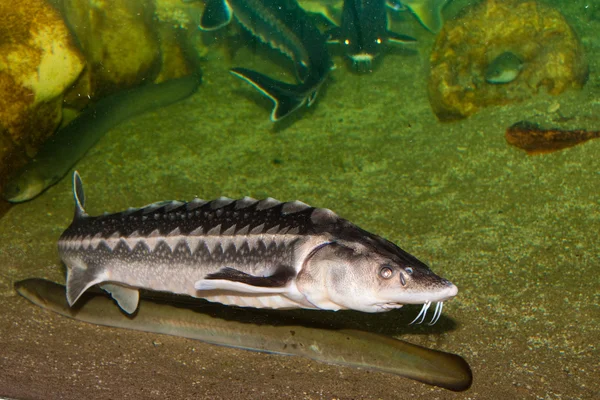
[(516, 233)]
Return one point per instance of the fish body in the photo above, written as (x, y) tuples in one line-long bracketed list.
[(535, 139), (67, 146), (504, 69), (363, 33), (347, 346), (247, 252), (285, 26)]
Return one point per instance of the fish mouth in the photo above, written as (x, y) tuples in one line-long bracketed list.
[(439, 293), (362, 61), (389, 306), (439, 298), (420, 318), (426, 299)]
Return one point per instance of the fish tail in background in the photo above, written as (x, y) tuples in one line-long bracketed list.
[(428, 12), (287, 97), (216, 14), (344, 347), (67, 146)]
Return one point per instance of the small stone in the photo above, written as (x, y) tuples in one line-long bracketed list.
[(554, 107)]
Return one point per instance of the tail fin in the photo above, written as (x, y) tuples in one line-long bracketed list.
[(428, 12), (287, 97), (216, 14), (79, 196)]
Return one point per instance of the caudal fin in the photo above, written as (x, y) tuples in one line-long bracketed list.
[(79, 196), (286, 97), (217, 14), (428, 12)]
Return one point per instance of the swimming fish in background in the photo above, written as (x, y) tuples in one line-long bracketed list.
[(427, 12), (534, 139), (363, 33), (504, 69), (250, 253), (343, 347), (67, 146), (285, 26), (216, 15)]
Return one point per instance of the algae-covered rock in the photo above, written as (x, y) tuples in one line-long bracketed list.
[(127, 43), (109, 45), (118, 40), (537, 34), (179, 13), (174, 61), (38, 61)]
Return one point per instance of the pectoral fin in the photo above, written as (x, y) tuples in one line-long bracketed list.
[(398, 38), (127, 298), (231, 279)]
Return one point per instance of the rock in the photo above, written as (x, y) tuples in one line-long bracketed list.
[(117, 39), (174, 61), (539, 35), (126, 43), (179, 13), (178, 23), (38, 61), (123, 44)]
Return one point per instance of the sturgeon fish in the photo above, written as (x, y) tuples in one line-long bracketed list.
[(247, 252), (285, 26), (363, 33)]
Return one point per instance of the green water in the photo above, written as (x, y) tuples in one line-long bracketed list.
[(517, 234)]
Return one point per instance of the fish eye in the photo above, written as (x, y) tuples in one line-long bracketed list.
[(386, 272), (408, 270)]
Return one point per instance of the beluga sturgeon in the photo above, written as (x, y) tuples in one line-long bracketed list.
[(363, 32), (247, 252), (284, 26)]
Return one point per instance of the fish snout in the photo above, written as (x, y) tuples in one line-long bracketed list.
[(362, 62), (448, 291)]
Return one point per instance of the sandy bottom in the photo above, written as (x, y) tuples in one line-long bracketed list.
[(517, 234)]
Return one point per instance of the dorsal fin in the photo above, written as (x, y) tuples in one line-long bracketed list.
[(79, 196)]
